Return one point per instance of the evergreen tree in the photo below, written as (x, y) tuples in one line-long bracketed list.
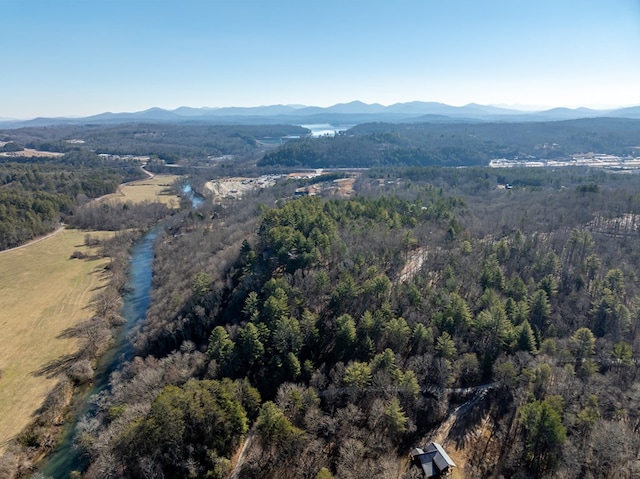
[(526, 338), (544, 434), (221, 347)]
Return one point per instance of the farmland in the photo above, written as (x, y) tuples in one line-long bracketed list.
[(154, 189), (44, 293)]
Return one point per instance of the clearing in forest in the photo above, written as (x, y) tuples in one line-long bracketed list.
[(29, 152), (43, 292), (153, 189)]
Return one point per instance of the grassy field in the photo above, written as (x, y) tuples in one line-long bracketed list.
[(42, 293), (151, 189)]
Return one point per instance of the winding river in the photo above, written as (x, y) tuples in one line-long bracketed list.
[(65, 459)]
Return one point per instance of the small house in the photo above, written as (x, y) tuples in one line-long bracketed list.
[(433, 460)]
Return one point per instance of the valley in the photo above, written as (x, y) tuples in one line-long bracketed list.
[(320, 240), (329, 320)]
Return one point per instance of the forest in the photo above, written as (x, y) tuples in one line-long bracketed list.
[(328, 336), (332, 335), (36, 194), (443, 144), (168, 141)]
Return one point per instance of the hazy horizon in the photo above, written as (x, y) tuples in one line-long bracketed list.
[(519, 108), (76, 58)]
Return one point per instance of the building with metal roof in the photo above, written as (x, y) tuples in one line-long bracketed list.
[(433, 460)]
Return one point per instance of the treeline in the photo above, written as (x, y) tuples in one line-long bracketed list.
[(119, 216), (166, 141), (10, 147), (444, 144), (79, 158), (24, 216), (549, 139), (39, 193), (379, 150), (481, 182)]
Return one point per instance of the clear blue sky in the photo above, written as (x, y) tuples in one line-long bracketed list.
[(81, 57)]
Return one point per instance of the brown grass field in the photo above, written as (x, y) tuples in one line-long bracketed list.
[(43, 292), (153, 189)]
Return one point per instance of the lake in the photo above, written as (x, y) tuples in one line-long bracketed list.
[(322, 129)]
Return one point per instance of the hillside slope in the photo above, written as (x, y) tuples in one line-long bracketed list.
[(288, 320)]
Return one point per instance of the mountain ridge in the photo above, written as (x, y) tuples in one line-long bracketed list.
[(350, 112)]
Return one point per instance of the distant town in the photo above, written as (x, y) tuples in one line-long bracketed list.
[(594, 160)]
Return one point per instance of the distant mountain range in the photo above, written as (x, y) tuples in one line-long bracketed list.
[(341, 114)]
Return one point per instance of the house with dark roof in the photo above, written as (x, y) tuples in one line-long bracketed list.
[(433, 460)]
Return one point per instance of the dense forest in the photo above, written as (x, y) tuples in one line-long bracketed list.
[(166, 141), (424, 144), (332, 335), (37, 193)]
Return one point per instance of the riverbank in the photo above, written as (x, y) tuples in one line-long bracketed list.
[(65, 459), (46, 293)]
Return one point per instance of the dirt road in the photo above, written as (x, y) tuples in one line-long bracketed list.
[(36, 240)]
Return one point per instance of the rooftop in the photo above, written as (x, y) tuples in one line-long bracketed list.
[(433, 460)]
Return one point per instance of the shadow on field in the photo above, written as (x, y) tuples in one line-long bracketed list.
[(57, 366), (468, 419), (75, 331)]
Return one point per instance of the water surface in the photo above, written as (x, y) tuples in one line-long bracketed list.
[(65, 458)]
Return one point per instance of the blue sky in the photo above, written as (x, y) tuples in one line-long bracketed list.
[(81, 57)]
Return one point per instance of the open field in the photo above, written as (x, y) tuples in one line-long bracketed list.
[(153, 189), (28, 152), (42, 293)]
